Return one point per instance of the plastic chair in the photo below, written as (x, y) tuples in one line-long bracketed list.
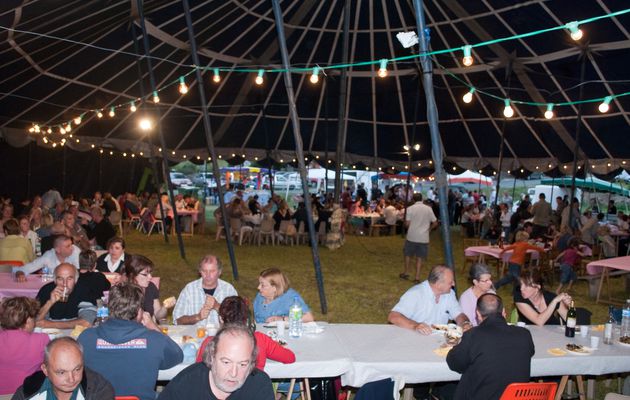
[(266, 230), (126, 398), (132, 219), (115, 218), (7, 265), (530, 391)]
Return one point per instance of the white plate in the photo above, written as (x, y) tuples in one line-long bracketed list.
[(587, 351)]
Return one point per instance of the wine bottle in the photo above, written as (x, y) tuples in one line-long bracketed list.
[(569, 330)]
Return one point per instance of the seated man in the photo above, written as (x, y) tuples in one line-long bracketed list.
[(128, 349), (484, 353), (227, 371), (63, 376), (99, 231), (74, 230), (95, 281), (63, 251), (200, 299), (60, 300), (430, 302)]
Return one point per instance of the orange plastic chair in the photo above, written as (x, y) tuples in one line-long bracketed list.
[(530, 391), (15, 263)]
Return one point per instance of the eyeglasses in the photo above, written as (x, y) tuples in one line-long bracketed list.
[(485, 280)]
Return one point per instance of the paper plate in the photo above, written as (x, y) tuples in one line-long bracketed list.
[(586, 351)]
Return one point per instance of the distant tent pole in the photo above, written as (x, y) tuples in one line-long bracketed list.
[(209, 138), (343, 87), (576, 150), (165, 169), (277, 12), (436, 142), (155, 173)]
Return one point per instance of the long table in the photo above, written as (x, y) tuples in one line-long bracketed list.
[(365, 353), (604, 266)]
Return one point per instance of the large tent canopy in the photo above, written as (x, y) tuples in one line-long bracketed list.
[(60, 59)]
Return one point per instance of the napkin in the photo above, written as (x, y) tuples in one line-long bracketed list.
[(556, 351)]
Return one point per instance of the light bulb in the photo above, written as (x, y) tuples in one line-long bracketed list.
[(31, 129), (467, 60), (468, 96), (216, 78), (259, 77), (183, 89), (45, 140), (68, 127), (605, 106), (577, 35), (112, 112), (77, 120), (575, 32), (61, 130), (315, 76), (49, 130), (54, 144), (508, 111), (156, 98), (99, 114), (132, 107), (382, 70), (145, 124), (549, 112)]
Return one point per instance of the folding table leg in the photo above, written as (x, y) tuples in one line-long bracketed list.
[(562, 386)]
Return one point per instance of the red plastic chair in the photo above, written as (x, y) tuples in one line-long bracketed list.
[(530, 391), (126, 398), (7, 265)]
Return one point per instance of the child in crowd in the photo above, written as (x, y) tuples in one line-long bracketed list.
[(571, 258), (517, 260)]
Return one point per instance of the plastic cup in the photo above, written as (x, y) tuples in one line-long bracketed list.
[(64, 295), (201, 332), (280, 327), (584, 331), (594, 342)]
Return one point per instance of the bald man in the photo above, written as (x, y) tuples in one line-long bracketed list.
[(63, 376), (60, 300)]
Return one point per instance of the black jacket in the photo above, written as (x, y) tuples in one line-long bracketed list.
[(92, 386), (490, 357)]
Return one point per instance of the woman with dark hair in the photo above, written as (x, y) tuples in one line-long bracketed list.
[(15, 247), (234, 310), (537, 306), (481, 280), (22, 350), (139, 270), (114, 260)]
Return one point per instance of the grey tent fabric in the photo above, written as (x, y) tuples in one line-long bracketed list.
[(61, 59)]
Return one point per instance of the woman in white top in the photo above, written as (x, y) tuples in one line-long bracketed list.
[(26, 232), (114, 259)]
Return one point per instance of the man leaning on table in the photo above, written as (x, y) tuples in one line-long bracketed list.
[(484, 352), (428, 303), (201, 298), (63, 251)]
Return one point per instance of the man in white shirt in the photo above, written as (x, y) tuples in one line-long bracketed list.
[(420, 221), (200, 299), (63, 251)]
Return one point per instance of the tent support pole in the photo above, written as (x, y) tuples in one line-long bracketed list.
[(165, 169), (155, 175), (513, 190), (436, 142), (277, 12), (209, 139), (578, 125), (343, 87)]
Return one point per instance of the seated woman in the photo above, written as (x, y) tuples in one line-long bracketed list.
[(22, 350), (114, 259), (234, 310), (14, 247), (537, 306), (481, 279), (27, 233), (139, 270), (275, 297), (282, 214)]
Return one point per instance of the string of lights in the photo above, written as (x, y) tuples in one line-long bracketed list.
[(573, 29)]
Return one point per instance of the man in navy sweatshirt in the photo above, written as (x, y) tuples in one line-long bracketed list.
[(128, 349)]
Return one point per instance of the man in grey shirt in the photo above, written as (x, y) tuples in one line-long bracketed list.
[(542, 216)]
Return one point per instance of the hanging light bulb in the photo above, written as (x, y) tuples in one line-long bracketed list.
[(467, 60), (31, 129), (468, 96), (145, 124), (605, 106), (112, 112), (49, 130), (574, 30), (259, 77), (36, 128), (156, 98), (508, 111), (77, 120), (549, 112), (68, 127), (132, 106), (216, 78), (62, 130), (315, 75), (45, 139), (99, 114), (54, 144), (382, 70), (183, 89)]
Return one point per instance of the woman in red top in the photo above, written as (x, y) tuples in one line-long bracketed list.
[(517, 260), (234, 310)]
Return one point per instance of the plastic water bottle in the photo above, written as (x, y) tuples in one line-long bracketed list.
[(102, 312), (625, 320), (295, 319), (45, 273)]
